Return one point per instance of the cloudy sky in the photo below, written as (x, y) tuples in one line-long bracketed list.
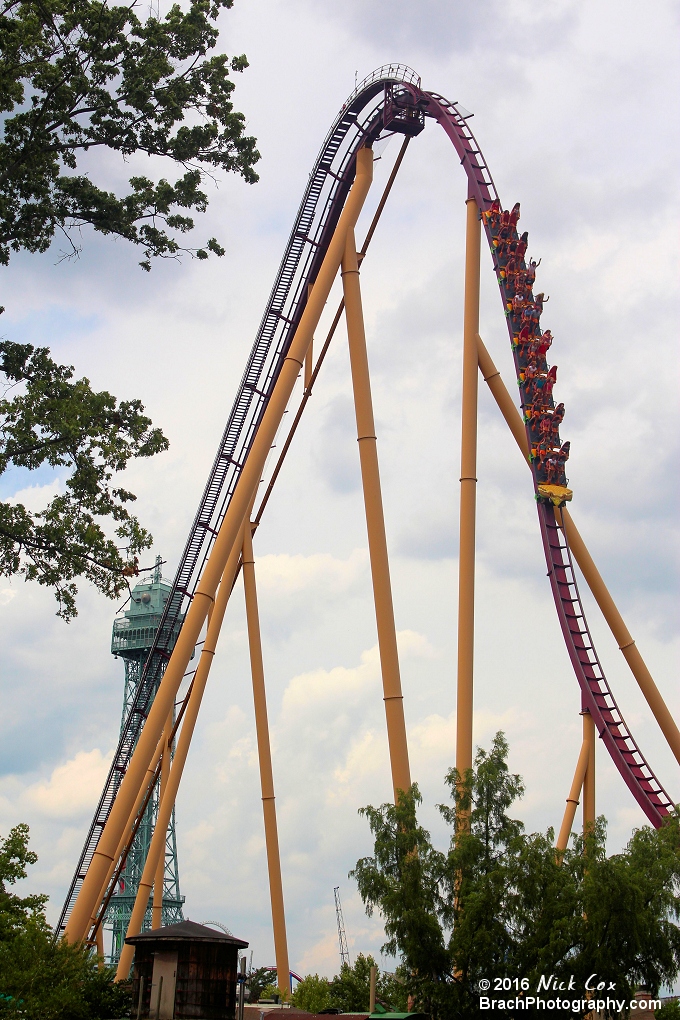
[(574, 111)]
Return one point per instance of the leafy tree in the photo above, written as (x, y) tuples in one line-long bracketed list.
[(350, 990), (41, 979), (403, 881), (312, 994), (501, 903), (272, 991), (55, 421), (258, 980), (77, 76), (16, 911), (669, 1011), (81, 75)]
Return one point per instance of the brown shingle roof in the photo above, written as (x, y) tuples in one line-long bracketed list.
[(186, 931)]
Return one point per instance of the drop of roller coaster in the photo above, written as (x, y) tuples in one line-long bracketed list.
[(391, 101)]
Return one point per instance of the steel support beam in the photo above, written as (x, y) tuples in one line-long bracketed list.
[(375, 522), (591, 574), (151, 771), (622, 635), (159, 879), (309, 356), (324, 349), (468, 493), (166, 803), (574, 796), (271, 834), (589, 776), (371, 988), (228, 535), (99, 943), (499, 391)]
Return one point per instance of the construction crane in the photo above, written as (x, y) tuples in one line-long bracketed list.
[(342, 937)]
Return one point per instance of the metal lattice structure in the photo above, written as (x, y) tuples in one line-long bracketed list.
[(132, 637), (342, 935)]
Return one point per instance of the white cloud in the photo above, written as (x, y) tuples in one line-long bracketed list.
[(322, 956), (281, 575), (73, 788), (415, 646), (338, 685), (36, 498)]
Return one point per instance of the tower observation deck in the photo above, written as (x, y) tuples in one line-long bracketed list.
[(131, 639)]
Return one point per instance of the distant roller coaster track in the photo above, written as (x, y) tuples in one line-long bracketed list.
[(362, 120)]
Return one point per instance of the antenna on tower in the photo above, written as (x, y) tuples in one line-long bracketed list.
[(342, 937)]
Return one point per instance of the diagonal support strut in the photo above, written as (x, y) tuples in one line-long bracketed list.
[(592, 576)]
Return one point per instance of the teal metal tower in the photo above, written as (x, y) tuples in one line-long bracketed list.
[(132, 636)]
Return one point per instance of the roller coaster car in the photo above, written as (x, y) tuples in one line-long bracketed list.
[(558, 495), (403, 114)]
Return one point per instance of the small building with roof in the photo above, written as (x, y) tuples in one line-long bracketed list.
[(185, 971)]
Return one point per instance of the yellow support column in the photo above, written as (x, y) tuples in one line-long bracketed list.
[(309, 356), (573, 798), (468, 494), (166, 804), (591, 574), (228, 536), (589, 777), (159, 879), (266, 774), (126, 835), (621, 634), (375, 522)]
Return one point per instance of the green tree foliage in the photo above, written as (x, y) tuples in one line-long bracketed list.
[(81, 75), (77, 76), (350, 990), (16, 911), (501, 903), (312, 994), (41, 979), (669, 1011), (271, 991), (52, 420), (403, 881), (258, 980)]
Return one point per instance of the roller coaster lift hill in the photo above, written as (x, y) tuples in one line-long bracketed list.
[(219, 546)]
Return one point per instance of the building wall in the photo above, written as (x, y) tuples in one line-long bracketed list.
[(206, 982)]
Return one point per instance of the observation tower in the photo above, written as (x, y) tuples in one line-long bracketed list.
[(131, 639)]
